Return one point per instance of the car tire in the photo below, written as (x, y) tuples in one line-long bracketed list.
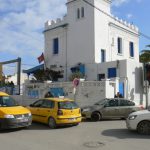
[(52, 123), (96, 116), (76, 124), (144, 127)]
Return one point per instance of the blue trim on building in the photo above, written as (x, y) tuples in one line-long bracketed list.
[(112, 72), (34, 69)]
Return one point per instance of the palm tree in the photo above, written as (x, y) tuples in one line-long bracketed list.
[(145, 55)]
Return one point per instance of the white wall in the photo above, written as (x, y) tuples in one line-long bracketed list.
[(82, 39), (127, 34), (80, 35)]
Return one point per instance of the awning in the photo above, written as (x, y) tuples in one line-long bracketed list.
[(34, 69)]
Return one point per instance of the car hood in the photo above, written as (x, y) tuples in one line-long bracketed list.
[(141, 112), (14, 110)]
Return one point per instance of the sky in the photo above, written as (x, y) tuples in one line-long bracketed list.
[(22, 26)]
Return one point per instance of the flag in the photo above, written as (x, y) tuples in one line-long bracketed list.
[(41, 58)]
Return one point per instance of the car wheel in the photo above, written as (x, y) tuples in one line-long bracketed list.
[(76, 124), (52, 123), (96, 116), (144, 127)]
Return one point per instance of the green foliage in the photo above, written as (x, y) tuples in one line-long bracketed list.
[(145, 56), (48, 74), (76, 75)]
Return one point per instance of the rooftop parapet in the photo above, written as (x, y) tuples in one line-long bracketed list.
[(54, 23), (125, 23)]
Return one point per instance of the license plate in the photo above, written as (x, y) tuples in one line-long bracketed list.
[(23, 120), (72, 119)]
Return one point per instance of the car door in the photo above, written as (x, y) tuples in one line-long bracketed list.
[(111, 109), (34, 108), (126, 107), (130, 107), (123, 107), (46, 110)]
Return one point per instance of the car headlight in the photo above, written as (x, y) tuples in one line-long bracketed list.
[(9, 116), (132, 117), (29, 114), (86, 109)]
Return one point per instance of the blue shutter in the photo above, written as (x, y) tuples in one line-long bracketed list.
[(102, 55), (131, 49), (56, 92), (82, 69), (55, 46), (112, 72), (119, 45)]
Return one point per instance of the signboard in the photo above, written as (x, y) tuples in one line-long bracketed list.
[(76, 82)]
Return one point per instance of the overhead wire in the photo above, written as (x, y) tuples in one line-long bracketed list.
[(90, 4)]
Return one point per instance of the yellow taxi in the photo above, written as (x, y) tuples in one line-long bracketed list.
[(55, 112), (11, 114)]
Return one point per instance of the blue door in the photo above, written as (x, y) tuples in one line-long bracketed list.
[(121, 88)]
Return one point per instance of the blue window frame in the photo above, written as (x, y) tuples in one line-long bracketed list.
[(55, 46), (112, 72), (103, 55), (131, 48), (119, 45)]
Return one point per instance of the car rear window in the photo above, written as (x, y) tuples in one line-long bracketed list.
[(67, 105)]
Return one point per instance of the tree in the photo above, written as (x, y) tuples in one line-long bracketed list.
[(48, 74), (145, 55), (76, 75)]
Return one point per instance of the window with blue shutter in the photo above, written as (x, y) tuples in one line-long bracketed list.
[(55, 46), (102, 55), (112, 72), (131, 47), (119, 45)]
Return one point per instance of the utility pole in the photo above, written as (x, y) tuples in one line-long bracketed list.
[(146, 67)]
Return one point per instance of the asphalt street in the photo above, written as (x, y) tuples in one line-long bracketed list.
[(103, 135)]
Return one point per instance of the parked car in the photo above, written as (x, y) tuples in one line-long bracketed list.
[(110, 108), (55, 112), (139, 121), (13, 115)]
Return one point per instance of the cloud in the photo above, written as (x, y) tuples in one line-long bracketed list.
[(129, 16), (21, 26), (118, 3)]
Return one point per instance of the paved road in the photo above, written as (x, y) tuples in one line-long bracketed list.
[(104, 135)]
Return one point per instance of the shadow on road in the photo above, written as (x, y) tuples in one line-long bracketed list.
[(9, 130), (124, 134), (34, 126), (40, 126)]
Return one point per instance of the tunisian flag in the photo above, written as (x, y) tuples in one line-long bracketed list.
[(41, 58)]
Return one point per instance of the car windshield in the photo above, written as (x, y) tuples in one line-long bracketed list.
[(101, 102), (67, 105), (7, 101)]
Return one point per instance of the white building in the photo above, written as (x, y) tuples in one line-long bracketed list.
[(90, 39)]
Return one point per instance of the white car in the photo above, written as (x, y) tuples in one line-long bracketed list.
[(140, 121)]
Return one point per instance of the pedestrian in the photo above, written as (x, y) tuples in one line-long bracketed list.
[(118, 95), (48, 94)]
